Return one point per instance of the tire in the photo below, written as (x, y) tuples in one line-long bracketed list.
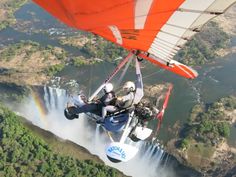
[(113, 160), (134, 138), (70, 116)]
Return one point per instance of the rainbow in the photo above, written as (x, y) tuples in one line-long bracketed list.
[(40, 107)]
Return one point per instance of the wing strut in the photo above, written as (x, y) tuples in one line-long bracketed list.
[(139, 84), (160, 115), (115, 71)]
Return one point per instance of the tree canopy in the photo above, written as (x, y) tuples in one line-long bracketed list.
[(24, 154)]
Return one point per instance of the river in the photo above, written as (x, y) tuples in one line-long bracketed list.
[(214, 81)]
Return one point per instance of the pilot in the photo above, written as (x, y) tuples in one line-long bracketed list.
[(125, 101), (107, 99)]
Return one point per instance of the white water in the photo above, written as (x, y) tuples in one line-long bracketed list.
[(87, 134)]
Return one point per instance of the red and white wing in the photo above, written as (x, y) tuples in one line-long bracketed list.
[(158, 27)]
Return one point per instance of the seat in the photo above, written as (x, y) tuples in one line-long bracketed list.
[(116, 123), (121, 111)]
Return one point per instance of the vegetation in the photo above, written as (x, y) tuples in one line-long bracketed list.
[(199, 155), (209, 124), (81, 61), (7, 10), (100, 48), (60, 54), (24, 154), (12, 92), (78, 39), (4, 24), (184, 143), (28, 48), (229, 103), (30, 57), (202, 141), (203, 47), (16, 49), (54, 69), (94, 49)]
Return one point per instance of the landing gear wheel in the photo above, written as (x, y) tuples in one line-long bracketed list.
[(134, 138), (113, 160), (70, 116)]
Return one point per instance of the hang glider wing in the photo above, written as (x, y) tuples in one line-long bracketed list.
[(156, 27)]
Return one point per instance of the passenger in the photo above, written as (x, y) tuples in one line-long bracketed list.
[(122, 102)]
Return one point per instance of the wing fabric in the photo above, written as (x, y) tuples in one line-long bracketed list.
[(132, 24), (158, 27)]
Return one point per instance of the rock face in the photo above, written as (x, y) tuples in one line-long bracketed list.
[(202, 141), (225, 156), (220, 164)]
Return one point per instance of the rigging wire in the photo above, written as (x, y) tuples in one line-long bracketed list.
[(152, 74), (123, 73), (104, 68), (90, 79)]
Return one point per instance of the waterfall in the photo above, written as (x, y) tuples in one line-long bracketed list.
[(46, 98), (52, 98), (89, 135)]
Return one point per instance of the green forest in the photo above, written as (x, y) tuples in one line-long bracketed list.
[(24, 154)]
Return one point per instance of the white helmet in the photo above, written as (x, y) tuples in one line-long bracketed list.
[(108, 87), (129, 85)]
